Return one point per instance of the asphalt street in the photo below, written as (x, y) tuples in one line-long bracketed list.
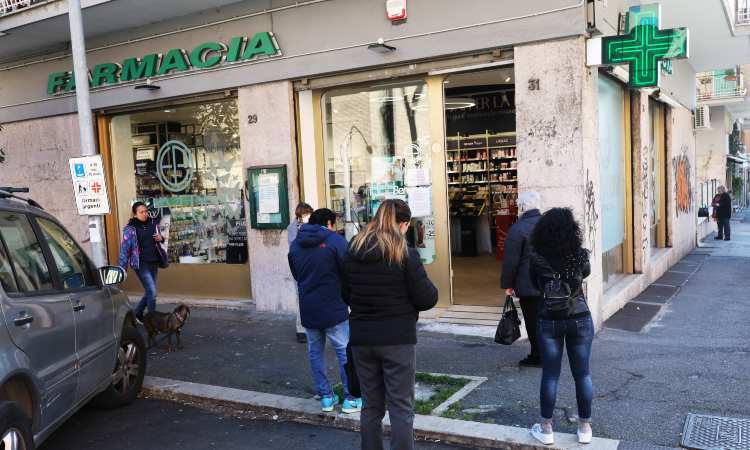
[(159, 424), (693, 357)]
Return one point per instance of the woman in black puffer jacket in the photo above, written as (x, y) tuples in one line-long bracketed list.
[(557, 270), (387, 287)]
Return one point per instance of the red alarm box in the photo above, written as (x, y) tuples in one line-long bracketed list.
[(396, 10)]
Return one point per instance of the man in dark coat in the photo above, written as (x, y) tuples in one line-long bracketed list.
[(316, 259), (723, 208), (516, 278)]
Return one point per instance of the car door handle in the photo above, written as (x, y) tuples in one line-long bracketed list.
[(23, 319), (78, 307)]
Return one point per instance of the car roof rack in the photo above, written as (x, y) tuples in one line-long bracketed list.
[(9, 192)]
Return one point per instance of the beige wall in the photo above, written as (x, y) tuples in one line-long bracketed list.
[(270, 141), (36, 156), (557, 129), (712, 146)]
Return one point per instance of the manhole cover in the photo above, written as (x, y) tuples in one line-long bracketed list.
[(716, 433)]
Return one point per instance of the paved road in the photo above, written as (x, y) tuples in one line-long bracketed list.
[(158, 424), (694, 358)]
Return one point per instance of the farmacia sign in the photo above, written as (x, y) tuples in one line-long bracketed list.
[(203, 56)]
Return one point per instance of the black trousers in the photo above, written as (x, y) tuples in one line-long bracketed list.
[(724, 228), (530, 307), (386, 375)]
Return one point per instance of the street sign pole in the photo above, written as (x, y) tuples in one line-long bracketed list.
[(85, 120)]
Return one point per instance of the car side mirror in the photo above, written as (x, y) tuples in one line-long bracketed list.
[(112, 275)]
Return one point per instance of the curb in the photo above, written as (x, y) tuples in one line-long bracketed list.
[(451, 431), (233, 305)]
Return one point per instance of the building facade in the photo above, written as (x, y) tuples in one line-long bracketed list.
[(455, 110)]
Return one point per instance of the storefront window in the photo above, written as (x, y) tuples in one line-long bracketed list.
[(185, 163), (612, 173), (377, 147)]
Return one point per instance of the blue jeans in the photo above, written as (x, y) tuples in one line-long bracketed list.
[(147, 274), (577, 335), (316, 346)]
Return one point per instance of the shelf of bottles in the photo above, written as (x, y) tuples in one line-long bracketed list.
[(482, 174)]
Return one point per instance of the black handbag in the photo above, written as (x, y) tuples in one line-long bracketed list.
[(509, 328), (703, 211), (163, 258)]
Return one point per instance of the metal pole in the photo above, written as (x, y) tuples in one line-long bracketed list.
[(85, 120)]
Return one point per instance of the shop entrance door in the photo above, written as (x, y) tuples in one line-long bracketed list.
[(482, 180)]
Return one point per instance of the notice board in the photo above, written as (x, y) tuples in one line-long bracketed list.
[(269, 197)]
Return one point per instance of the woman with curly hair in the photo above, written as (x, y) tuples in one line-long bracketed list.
[(557, 270)]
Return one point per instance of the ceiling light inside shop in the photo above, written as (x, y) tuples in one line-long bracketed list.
[(507, 79), (169, 110), (452, 103)]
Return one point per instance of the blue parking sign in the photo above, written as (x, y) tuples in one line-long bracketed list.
[(80, 171)]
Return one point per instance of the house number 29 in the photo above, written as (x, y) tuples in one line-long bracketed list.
[(534, 84), (252, 119)]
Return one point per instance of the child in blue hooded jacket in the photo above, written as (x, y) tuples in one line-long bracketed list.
[(316, 259)]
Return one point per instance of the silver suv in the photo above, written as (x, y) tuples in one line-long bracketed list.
[(69, 335)]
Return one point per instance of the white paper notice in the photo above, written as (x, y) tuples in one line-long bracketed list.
[(268, 193), (420, 201), (417, 176)]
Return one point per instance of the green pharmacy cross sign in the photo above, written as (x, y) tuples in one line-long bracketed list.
[(645, 47)]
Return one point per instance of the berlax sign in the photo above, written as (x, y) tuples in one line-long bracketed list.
[(203, 56), (643, 49)]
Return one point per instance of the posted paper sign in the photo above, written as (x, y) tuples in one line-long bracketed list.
[(420, 201), (417, 176), (268, 193), (89, 185)]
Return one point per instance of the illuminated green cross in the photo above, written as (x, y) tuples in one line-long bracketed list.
[(645, 46)]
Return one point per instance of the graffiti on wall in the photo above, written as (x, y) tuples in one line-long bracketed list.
[(2, 149), (645, 223), (683, 187), (592, 217)]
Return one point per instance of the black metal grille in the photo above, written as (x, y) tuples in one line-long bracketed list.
[(716, 433)]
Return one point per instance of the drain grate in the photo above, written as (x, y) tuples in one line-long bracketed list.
[(716, 433)]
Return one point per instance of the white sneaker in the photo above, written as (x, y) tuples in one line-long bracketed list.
[(584, 438), (539, 435)]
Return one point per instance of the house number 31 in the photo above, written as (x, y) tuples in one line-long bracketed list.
[(252, 119), (534, 84)]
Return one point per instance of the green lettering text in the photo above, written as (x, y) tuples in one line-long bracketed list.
[(261, 44), (174, 60), (135, 68), (235, 49), (104, 72), (200, 58), (56, 81)]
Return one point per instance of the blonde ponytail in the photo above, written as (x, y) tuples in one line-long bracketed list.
[(383, 232)]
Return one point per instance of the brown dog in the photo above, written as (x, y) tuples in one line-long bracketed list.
[(170, 323)]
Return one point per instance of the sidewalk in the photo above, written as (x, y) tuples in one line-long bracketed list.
[(691, 356)]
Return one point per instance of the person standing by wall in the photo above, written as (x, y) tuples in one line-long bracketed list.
[(316, 260), (558, 268), (301, 215), (516, 278), (388, 287), (722, 204), (138, 251)]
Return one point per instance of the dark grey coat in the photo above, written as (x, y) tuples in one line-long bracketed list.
[(517, 260)]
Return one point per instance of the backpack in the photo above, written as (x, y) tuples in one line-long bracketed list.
[(557, 295)]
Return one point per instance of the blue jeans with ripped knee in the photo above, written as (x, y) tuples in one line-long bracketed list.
[(576, 334)]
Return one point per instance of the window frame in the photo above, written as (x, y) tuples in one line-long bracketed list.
[(42, 245), (56, 279)]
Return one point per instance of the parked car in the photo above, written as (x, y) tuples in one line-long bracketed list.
[(69, 335)]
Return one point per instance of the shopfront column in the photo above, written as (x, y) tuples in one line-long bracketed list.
[(268, 139), (557, 128)]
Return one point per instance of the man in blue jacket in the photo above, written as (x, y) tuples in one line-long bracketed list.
[(316, 259)]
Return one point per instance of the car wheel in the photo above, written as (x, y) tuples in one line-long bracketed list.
[(15, 428), (130, 369)]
